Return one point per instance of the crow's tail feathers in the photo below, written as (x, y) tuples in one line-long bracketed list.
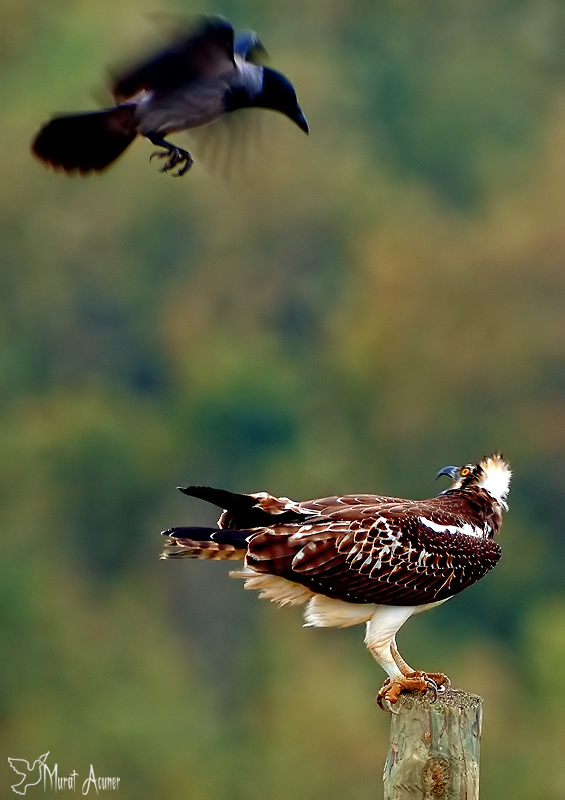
[(215, 544), (86, 142)]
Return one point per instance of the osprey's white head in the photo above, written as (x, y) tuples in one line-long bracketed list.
[(491, 474)]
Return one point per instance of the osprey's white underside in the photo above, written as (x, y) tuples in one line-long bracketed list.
[(382, 621)]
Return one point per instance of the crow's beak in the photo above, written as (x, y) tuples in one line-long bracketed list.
[(449, 471), (300, 120)]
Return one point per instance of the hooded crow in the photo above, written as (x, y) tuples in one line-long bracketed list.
[(203, 75)]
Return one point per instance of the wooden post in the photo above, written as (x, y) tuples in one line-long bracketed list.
[(434, 747)]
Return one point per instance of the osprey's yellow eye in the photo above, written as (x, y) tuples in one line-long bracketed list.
[(465, 471)]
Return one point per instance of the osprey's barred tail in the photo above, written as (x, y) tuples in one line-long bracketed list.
[(242, 515), (211, 543), (86, 142)]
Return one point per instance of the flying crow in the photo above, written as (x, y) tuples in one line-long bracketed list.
[(203, 75)]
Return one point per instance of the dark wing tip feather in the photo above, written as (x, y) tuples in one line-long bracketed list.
[(222, 498), (201, 534)]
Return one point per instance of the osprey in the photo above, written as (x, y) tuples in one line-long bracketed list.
[(360, 558), (203, 75)]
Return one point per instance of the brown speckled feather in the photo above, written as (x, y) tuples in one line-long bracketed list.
[(391, 561)]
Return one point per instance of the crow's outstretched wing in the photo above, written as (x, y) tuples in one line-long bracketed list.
[(206, 51)]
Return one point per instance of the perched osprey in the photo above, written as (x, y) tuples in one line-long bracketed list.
[(360, 558)]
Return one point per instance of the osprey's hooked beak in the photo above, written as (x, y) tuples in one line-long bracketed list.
[(451, 472)]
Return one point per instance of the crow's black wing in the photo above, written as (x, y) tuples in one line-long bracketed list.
[(206, 51)]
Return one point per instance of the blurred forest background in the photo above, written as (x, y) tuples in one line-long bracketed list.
[(348, 312)]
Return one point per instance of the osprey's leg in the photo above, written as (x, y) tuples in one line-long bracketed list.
[(399, 661), (381, 643), (176, 156), (437, 677)]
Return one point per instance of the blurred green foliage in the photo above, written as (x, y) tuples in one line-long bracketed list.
[(346, 313)]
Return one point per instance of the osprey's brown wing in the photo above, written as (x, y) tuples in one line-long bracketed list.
[(391, 551)]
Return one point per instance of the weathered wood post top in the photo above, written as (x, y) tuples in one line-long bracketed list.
[(434, 747)]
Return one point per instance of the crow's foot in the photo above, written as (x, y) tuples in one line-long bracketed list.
[(176, 158), (417, 681)]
